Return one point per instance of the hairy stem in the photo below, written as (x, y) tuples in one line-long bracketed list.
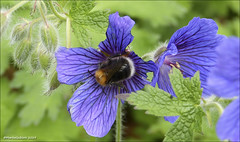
[(68, 32), (42, 13), (119, 122), (30, 32), (209, 119), (55, 11), (40, 18), (16, 6)]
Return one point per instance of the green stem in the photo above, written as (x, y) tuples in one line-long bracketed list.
[(93, 139), (40, 18), (119, 122), (16, 7), (209, 119), (68, 32), (55, 11), (42, 13), (30, 32), (216, 99), (147, 56)]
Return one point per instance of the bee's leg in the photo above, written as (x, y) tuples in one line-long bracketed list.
[(116, 55), (122, 86), (126, 89), (103, 91), (89, 73)]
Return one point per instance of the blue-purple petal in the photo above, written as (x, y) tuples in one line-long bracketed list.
[(118, 34), (199, 32), (142, 67), (164, 80), (195, 45), (164, 84), (172, 50), (139, 79), (225, 76), (190, 49), (94, 107), (171, 119), (228, 124), (135, 83), (77, 64)]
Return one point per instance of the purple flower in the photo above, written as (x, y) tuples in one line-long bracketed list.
[(105, 73), (224, 77), (224, 82), (228, 124), (190, 49)]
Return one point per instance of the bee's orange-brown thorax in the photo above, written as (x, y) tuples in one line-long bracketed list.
[(101, 77)]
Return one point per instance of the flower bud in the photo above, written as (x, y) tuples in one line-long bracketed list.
[(154, 55), (44, 60), (53, 80), (22, 51), (34, 62), (19, 32), (49, 37), (43, 5)]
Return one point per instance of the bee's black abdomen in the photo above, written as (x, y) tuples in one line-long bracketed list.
[(123, 73)]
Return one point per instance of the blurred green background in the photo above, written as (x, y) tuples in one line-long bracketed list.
[(25, 111)]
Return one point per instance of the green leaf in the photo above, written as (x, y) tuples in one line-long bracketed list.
[(187, 123), (209, 131), (62, 129), (150, 100), (36, 104), (186, 105), (8, 108), (184, 88), (88, 23), (5, 55), (180, 131), (198, 122)]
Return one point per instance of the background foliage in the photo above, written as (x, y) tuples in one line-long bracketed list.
[(25, 111)]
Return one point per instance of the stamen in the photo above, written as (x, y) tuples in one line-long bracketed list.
[(104, 53)]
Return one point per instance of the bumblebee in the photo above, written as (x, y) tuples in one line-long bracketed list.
[(114, 70)]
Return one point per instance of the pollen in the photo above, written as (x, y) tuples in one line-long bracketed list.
[(175, 65)]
